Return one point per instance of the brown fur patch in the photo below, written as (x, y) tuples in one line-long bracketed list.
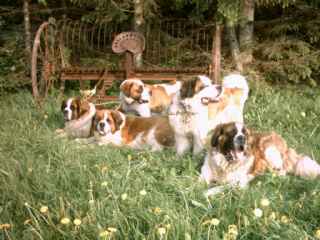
[(139, 125), (230, 96), (159, 99), (132, 89), (190, 86), (258, 143)]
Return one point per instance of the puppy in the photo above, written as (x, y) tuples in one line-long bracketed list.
[(188, 113), (237, 155), (118, 129), (78, 116)]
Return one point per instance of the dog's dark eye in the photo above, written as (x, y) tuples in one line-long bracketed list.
[(205, 100), (108, 120), (72, 107)]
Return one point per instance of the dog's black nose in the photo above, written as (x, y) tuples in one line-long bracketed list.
[(240, 140), (219, 88), (65, 112), (102, 125)]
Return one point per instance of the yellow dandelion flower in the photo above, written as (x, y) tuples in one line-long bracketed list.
[(143, 192), (104, 184), (258, 212), (161, 231), (104, 169), (215, 221), (233, 230), (5, 226), (264, 202), (124, 196), (65, 221), (129, 157), (284, 219), (104, 234), (44, 209), (45, 116), (157, 210), (112, 229), (303, 114), (317, 234), (77, 222)]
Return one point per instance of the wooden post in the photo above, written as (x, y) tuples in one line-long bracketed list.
[(216, 55), (129, 64)]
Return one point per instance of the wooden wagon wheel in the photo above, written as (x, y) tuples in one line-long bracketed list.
[(44, 61)]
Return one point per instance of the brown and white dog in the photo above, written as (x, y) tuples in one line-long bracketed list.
[(78, 116), (150, 99), (118, 129), (196, 111), (237, 155)]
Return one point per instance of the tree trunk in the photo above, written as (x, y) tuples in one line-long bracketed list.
[(138, 26), (27, 31), (216, 55), (246, 30), (234, 45)]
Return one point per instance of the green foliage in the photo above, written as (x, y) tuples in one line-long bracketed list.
[(289, 60), (290, 50), (282, 3), (116, 11), (12, 65), (229, 10), (102, 186)]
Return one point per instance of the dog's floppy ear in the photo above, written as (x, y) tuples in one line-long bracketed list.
[(188, 87), (117, 118), (218, 131), (126, 87), (84, 107)]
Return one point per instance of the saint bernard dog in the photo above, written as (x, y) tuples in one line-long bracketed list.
[(151, 99), (237, 155), (118, 129), (199, 108), (145, 99), (79, 118)]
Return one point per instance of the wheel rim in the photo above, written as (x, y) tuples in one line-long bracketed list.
[(43, 62)]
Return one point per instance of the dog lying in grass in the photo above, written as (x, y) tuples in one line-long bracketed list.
[(78, 118), (237, 155), (118, 129)]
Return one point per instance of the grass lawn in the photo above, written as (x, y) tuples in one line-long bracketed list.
[(124, 194)]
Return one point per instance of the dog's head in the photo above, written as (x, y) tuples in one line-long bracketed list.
[(74, 108), (235, 91), (192, 85), (235, 86), (108, 121), (231, 140), (134, 91)]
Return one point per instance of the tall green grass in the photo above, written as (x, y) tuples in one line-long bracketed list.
[(125, 194)]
